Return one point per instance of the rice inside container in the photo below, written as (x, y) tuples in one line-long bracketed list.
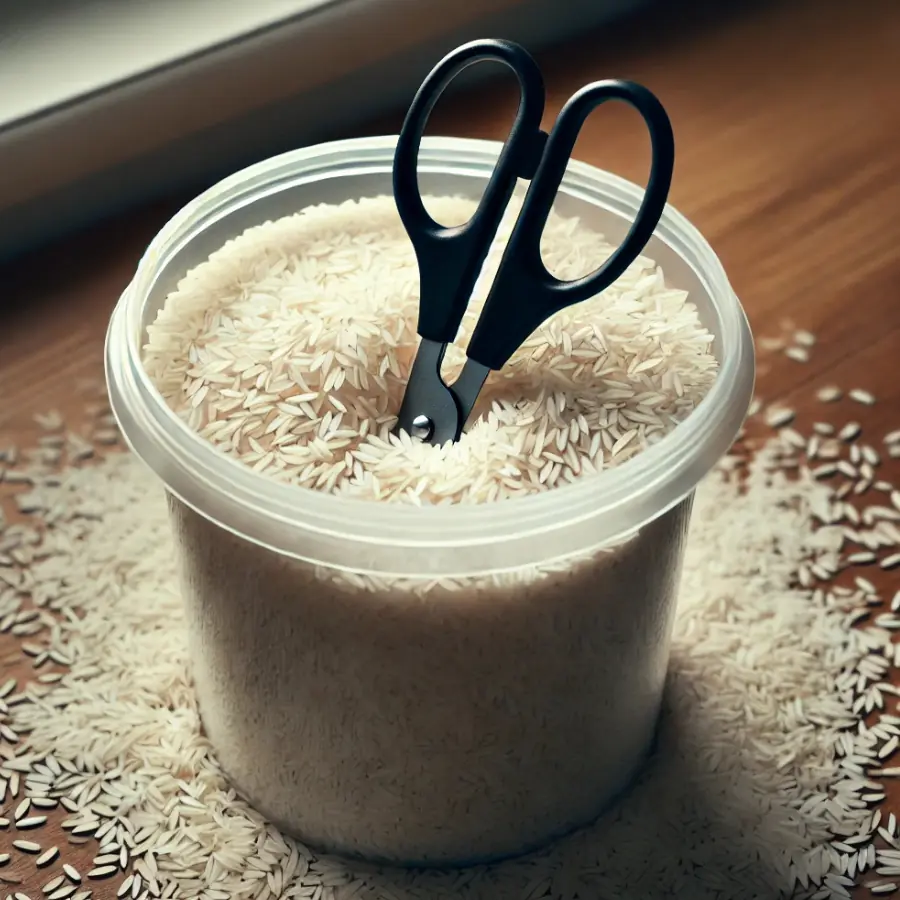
[(353, 699)]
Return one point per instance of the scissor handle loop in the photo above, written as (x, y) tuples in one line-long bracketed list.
[(450, 258), (524, 294)]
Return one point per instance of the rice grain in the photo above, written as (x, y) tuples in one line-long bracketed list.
[(27, 846), (47, 857), (779, 416), (798, 354)]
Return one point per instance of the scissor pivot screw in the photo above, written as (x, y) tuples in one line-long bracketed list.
[(422, 428)]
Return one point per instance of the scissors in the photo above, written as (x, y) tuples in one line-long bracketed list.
[(523, 294)]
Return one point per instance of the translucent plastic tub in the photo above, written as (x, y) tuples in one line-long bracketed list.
[(437, 685)]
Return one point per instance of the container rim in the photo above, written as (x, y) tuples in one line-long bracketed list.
[(301, 522)]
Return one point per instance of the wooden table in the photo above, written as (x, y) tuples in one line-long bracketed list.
[(787, 120)]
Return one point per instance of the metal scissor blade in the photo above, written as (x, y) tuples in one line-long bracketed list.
[(467, 387), (429, 410)]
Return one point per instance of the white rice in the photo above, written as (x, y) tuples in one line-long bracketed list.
[(290, 349), (429, 720), (745, 797), (741, 800)]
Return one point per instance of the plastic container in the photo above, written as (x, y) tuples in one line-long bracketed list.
[(351, 696)]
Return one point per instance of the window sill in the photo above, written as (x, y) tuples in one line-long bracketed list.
[(118, 100)]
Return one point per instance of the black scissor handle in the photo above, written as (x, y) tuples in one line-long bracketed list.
[(524, 294), (450, 259)]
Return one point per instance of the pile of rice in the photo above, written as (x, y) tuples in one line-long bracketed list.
[(290, 348)]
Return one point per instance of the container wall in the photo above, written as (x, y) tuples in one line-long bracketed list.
[(359, 695), (418, 723), (397, 538)]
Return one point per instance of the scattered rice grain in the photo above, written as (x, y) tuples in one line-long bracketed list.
[(47, 857), (27, 846), (861, 396)]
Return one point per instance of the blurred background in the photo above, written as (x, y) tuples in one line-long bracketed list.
[(105, 104)]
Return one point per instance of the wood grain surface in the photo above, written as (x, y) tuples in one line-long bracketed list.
[(787, 121)]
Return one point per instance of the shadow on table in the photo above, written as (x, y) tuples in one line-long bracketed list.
[(690, 828)]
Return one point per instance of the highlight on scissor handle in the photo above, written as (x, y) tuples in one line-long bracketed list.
[(450, 258), (524, 294)]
